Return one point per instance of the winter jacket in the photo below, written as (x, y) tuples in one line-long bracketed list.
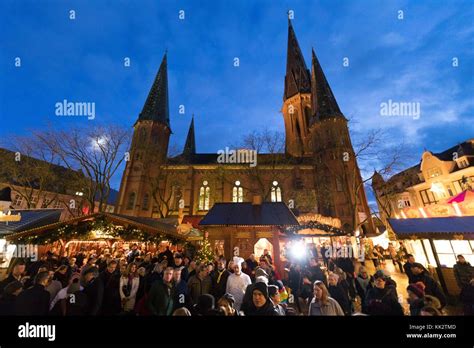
[(198, 287), (431, 287), (383, 302), (111, 304), (331, 307), (33, 301), (160, 298), (268, 309), (219, 283), (467, 298), (409, 273), (463, 272), (339, 293), (131, 296), (95, 292)]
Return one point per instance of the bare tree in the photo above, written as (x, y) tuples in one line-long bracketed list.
[(96, 151)]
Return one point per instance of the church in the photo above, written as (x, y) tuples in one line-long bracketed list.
[(316, 174)]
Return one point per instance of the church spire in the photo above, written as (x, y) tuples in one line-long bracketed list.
[(190, 145), (297, 79), (323, 103), (156, 107)]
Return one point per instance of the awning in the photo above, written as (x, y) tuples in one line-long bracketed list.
[(30, 218), (452, 227)]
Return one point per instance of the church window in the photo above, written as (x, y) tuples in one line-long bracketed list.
[(237, 193), (146, 200), (204, 195), (131, 201), (276, 192)]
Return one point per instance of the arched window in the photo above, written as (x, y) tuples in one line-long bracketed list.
[(204, 194), (146, 200), (276, 192), (237, 193), (131, 201)]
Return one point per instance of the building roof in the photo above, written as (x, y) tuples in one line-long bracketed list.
[(297, 79), (30, 218), (262, 159), (436, 227), (156, 106), (247, 214), (323, 102), (190, 145)]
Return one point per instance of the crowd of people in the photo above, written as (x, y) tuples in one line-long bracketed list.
[(167, 283)]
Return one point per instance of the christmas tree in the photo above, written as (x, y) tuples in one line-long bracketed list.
[(205, 254)]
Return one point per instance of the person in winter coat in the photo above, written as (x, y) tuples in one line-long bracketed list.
[(322, 304), (261, 303), (420, 274), (199, 284), (161, 295), (16, 274), (62, 275), (35, 300), (8, 299), (382, 299), (463, 272), (111, 304), (363, 285), (407, 268), (94, 289), (181, 298), (219, 279), (128, 287), (416, 297), (339, 293), (274, 295)]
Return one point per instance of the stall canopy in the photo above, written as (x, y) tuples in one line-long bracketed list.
[(30, 219), (248, 214), (436, 228), (164, 227)]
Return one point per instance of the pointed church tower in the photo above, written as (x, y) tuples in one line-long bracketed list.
[(340, 191), (296, 99), (190, 145), (149, 149)]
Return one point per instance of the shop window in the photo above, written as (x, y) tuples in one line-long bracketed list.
[(449, 249)]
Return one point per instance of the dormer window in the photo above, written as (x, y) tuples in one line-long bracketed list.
[(433, 172), (463, 163)]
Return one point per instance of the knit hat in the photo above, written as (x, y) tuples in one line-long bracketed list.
[(260, 272), (417, 288), (262, 279), (229, 297), (262, 287), (417, 265), (380, 274), (12, 287)]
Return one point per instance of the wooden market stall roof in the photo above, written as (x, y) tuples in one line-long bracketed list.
[(436, 227), (147, 224), (30, 219), (248, 214)]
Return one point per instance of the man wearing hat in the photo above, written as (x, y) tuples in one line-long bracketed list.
[(382, 299), (420, 274)]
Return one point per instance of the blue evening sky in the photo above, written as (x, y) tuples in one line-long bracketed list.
[(407, 60)]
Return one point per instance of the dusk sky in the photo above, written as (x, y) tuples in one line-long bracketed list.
[(82, 60)]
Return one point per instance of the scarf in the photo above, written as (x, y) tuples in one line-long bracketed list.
[(364, 283), (219, 276)]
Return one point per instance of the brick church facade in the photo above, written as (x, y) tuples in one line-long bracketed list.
[(317, 173)]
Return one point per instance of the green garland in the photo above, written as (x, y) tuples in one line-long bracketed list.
[(315, 225), (86, 232)]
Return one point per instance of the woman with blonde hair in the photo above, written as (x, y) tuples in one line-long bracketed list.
[(322, 304), (129, 282)]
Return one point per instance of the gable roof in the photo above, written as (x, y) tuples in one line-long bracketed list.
[(247, 214)]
